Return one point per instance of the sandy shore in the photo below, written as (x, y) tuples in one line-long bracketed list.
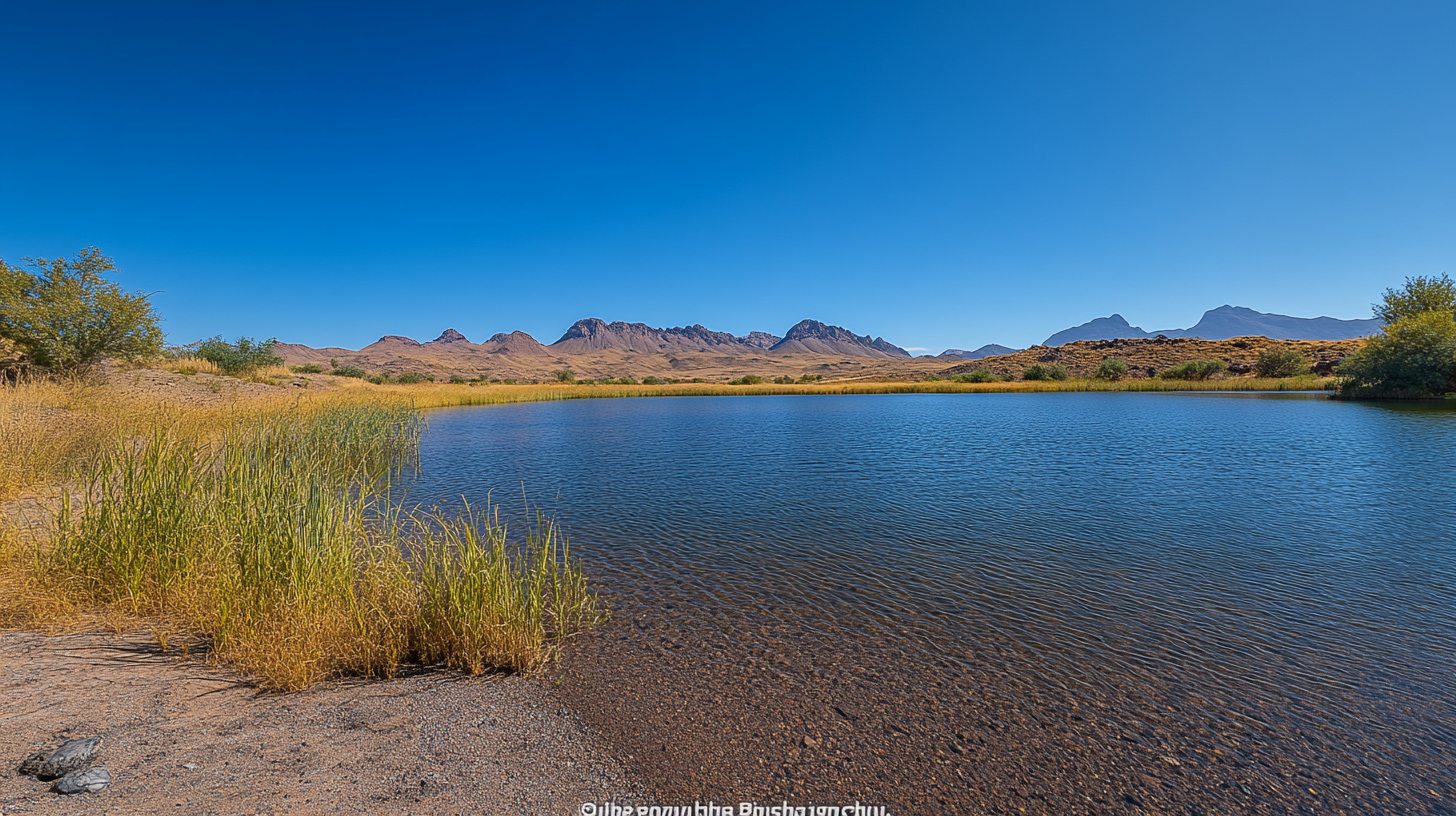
[(182, 737)]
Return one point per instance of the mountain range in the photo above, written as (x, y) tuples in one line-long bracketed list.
[(595, 348), (1223, 323)]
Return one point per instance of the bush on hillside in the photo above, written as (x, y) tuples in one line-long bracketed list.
[(566, 375), (1038, 371), (747, 379), (66, 316), (1281, 363), (1111, 370), (348, 371), (978, 376), (411, 377), (1195, 370), (246, 354)]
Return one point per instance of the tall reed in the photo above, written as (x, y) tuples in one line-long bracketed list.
[(276, 541)]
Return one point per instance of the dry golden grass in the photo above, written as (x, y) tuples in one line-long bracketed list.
[(264, 530), (432, 395)]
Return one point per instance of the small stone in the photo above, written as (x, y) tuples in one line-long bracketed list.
[(94, 780), (71, 756), (810, 742), (1170, 760)]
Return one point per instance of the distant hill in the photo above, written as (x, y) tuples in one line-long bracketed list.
[(593, 334), (1114, 327), (813, 337), (1223, 323), (1236, 321), (990, 350)]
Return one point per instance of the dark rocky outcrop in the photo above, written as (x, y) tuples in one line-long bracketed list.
[(762, 340), (450, 336)]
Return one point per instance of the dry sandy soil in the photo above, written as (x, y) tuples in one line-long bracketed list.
[(181, 737)]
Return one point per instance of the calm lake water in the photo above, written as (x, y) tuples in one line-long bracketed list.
[(1061, 602)]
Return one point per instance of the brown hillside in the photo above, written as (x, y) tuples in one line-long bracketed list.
[(1148, 356), (517, 343)]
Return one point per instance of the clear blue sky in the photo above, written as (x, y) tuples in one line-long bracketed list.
[(942, 174)]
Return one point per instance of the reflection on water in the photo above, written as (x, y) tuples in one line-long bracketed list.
[(1204, 575)]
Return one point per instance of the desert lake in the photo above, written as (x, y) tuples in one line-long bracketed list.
[(1058, 602)]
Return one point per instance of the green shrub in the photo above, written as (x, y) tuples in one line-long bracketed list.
[(348, 371), (1111, 370), (650, 381), (67, 316), (808, 378), (246, 354), (932, 378), (411, 377), (978, 376), (784, 380), (747, 379), (566, 375), (509, 382), (1195, 370), (1037, 371), (307, 368), (1414, 356), (378, 379), (1281, 363), (456, 379)]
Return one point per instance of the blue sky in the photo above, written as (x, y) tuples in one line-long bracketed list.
[(942, 174)]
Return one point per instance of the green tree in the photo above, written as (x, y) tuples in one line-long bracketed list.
[(1415, 356), (67, 316), (1420, 294)]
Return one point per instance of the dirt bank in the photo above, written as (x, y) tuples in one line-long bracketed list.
[(181, 737)]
